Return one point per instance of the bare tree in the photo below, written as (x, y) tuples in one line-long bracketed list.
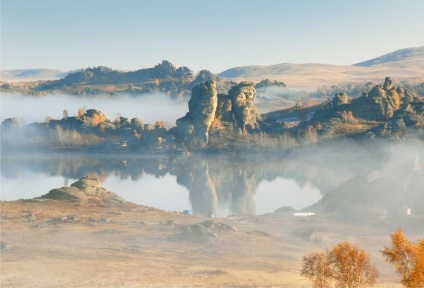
[(316, 268)]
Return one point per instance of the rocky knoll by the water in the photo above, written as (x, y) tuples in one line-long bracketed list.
[(86, 188)]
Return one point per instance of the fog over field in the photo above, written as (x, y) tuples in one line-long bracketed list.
[(149, 108)]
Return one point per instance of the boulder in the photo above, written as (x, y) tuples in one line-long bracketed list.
[(380, 103), (201, 112), (202, 107), (245, 115), (137, 125), (65, 193), (93, 117), (90, 186), (83, 189), (340, 99)]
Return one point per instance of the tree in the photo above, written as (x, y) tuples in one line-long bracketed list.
[(316, 268), (345, 264), (351, 266), (408, 259)]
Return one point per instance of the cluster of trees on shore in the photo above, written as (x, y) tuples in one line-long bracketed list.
[(348, 266)]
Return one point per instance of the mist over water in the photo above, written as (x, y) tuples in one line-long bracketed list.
[(149, 107), (223, 186), (374, 180)]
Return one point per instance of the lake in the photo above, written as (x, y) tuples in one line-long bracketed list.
[(224, 185)]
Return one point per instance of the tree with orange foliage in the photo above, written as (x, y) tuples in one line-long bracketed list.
[(347, 265), (317, 269), (408, 259), (351, 266)]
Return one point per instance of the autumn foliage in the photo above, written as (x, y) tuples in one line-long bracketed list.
[(408, 259), (346, 265)]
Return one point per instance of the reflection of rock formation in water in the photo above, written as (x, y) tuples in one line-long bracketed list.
[(210, 180), (214, 181), (203, 194), (393, 192)]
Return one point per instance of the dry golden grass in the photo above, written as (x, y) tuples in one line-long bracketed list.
[(135, 247)]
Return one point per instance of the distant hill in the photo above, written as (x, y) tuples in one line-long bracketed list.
[(407, 54), (402, 64), (164, 77), (31, 74)]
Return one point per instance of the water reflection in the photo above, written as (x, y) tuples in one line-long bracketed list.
[(221, 185), (242, 184)]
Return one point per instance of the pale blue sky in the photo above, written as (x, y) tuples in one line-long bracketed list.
[(214, 35)]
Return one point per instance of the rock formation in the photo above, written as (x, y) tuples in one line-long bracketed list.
[(245, 115), (206, 106), (340, 99), (86, 188), (224, 109), (201, 112), (380, 103)]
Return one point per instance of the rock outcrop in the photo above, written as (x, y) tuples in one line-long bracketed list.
[(201, 112), (340, 99), (206, 107), (224, 109), (202, 107), (379, 104), (245, 115), (86, 188)]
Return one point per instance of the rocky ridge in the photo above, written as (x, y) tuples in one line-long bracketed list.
[(391, 109), (230, 122)]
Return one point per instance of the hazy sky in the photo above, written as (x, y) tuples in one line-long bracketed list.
[(213, 34)]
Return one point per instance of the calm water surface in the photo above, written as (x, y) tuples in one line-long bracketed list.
[(223, 185)]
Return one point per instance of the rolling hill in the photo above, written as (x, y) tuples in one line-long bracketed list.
[(401, 64), (31, 74), (397, 57)]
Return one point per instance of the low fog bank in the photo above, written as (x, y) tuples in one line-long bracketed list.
[(274, 98), (293, 94), (149, 108)]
